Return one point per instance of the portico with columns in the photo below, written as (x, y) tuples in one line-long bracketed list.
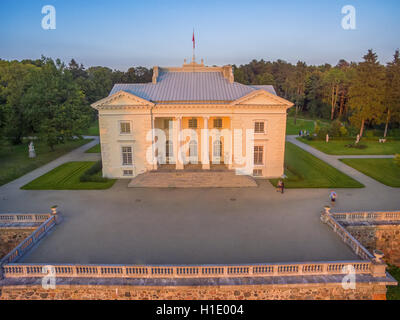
[(192, 116)]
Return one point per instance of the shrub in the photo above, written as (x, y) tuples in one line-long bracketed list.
[(343, 131), (356, 146), (317, 128), (322, 133), (397, 159), (369, 134), (334, 129), (90, 174), (310, 138)]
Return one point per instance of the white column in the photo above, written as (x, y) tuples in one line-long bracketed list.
[(205, 146), (177, 143), (230, 164), (154, 148)]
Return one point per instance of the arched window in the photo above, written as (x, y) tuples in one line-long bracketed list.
[(217, 148), (193, 148)]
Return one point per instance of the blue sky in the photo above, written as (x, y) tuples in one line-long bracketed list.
[(124, 33)]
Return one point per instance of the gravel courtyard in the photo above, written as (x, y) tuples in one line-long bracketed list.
[(188, 226)]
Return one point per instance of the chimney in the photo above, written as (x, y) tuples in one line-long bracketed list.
[(155, 74), (228, 73)]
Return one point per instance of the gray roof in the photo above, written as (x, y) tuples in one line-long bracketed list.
[(190, 86)]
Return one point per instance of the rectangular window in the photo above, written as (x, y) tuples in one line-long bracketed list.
[(125, 127), (257, 172), (259, 127), (218, 123), (126, 156), (193, 123), (258, 155), (128, 173)]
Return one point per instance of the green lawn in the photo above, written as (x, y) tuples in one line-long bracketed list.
[(66, 177), (303, 170), (337, 147), (93, 130), (14, 160), (301, 124), (393, 292), (383, 170), (95, 149)]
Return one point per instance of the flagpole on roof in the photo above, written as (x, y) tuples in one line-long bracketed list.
[(194, 46)]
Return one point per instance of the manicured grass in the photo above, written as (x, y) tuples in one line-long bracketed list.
[(383, 170), (95, 149), (393, 292), (15, 162), (93, 130), (66, 177), (303, 170), (301, 124), (337, 147)]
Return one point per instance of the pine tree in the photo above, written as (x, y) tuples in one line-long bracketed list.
[(367, 92), (392, 99)]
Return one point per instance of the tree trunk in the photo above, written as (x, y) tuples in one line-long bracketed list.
[(341, 104), (387, 123), (332, 105), (362, 128), (295, 115)]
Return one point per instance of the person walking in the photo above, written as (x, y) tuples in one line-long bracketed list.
[(280, 186), (333, 197)]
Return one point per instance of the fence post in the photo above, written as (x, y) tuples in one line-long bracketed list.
[(55, 214)]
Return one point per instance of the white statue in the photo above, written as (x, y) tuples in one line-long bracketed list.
[(327, 138), (32, 153)]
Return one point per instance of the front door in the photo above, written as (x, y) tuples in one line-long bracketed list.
[(217, 152)]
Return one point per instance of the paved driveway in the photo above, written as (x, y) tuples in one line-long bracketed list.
[(188, 226)]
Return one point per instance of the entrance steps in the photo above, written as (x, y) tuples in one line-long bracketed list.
[(192, 179)]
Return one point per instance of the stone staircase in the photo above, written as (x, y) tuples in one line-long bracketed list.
[(191, 179)]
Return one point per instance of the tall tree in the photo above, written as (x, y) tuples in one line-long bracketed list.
[(55, 105), (333, 80), (367, 92), (15, 79), (298, 81), (392, 99)]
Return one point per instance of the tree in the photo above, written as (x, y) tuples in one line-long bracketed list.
[(392, 99), (14, 82), (298, 82), (367, 91), (55, 105), (333, 80), (265, 79), (99, 84)]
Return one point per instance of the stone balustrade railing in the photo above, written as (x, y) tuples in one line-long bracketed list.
[(24, 217), (30, 241), (368, 265), (347, 238), (201, 271), (367, 216)]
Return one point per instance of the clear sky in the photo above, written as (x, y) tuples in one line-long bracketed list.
[(124, 33)]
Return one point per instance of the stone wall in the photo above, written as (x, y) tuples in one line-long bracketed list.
[(10, 238), (382, 237), (243, 292)]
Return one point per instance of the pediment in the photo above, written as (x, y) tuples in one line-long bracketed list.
[(121, 99), (262, 97)]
